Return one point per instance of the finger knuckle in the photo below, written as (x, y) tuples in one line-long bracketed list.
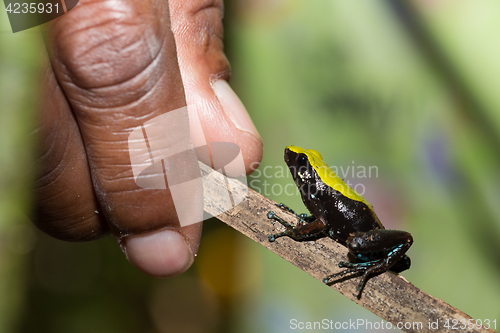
[(105, 43)]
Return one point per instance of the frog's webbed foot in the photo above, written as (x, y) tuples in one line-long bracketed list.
[(307, 227), (286, 208), (288, 226), (303, 218), (365, 268)]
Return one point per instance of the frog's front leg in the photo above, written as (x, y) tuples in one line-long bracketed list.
[(301, 232), (376, 251)]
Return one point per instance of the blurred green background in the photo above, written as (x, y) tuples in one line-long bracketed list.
[(409, 88)]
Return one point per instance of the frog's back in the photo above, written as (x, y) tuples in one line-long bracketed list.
[(343, 215)]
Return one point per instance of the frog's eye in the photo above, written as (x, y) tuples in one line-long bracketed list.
[(302, 159)]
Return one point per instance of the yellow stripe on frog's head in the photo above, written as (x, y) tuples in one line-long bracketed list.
[(326, 174)]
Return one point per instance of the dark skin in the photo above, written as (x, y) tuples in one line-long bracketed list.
[(111, 68), (340, 213)]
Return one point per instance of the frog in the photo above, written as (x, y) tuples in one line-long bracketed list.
[(339, 212)]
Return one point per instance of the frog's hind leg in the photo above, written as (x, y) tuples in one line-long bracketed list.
[(359, 267), (380, 266), (388, 246)]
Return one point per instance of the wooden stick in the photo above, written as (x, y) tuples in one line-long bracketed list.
[(388, 295)]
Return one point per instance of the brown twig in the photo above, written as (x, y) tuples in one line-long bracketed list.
[(388, 295)]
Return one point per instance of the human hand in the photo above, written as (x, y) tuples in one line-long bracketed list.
[(112, 67)]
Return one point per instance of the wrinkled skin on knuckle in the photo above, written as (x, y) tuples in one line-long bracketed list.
[(103, 39), (108, 60)]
